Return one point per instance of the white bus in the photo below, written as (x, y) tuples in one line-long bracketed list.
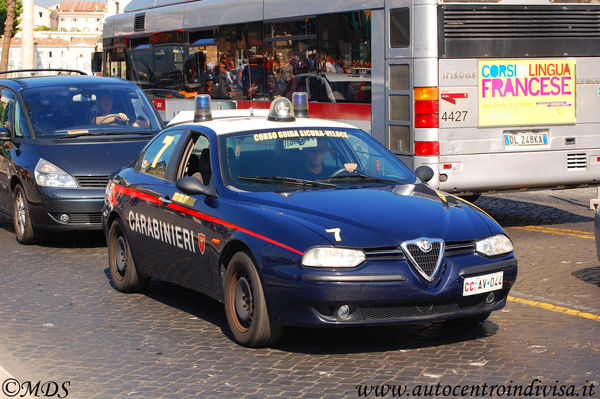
[(493, 95)]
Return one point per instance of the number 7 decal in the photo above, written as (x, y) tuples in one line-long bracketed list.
[(167, 141)]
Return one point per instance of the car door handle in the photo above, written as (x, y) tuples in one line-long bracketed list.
[(165, 199)]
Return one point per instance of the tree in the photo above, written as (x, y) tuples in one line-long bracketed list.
[(8, 23), (18, 9)]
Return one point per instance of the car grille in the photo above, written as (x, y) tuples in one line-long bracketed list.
[(395, 252), (411, 310), (426, 261), (92, 181)]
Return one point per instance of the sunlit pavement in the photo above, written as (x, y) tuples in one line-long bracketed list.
[(62, 321)]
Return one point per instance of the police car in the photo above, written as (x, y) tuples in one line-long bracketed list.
[(290, 220)]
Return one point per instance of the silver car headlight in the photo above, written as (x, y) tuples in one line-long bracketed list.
[(333, 257), (494, 245), (49, 175)]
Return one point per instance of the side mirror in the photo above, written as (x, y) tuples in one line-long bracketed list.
[(192, 186), (424, 173), (4, 133)]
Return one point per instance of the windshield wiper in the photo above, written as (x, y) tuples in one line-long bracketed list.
[(287, 180), (359, 176), (71, 136)]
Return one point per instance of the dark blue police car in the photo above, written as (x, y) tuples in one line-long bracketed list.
[(298, 221), (60, 139)]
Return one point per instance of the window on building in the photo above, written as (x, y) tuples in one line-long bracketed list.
[(50, 54), (41, 14)]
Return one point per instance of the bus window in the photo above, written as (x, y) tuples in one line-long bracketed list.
[(116, 63), (399, 27), (238, 70), (141, 63)]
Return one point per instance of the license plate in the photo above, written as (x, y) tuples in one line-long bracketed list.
[(481, 284), (525, 139)]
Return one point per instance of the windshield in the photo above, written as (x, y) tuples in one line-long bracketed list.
[(276, 160), (89, 109)]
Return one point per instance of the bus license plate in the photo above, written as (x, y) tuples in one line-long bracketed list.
[(481, 284), (525, 139)]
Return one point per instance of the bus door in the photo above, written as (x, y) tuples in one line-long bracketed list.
[(398, 80)]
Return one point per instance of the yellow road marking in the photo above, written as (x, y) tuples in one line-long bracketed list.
[(554, 308), (557, 231)]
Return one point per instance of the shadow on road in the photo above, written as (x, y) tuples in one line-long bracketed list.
[(511, 213), (589, 275), (329, 340)]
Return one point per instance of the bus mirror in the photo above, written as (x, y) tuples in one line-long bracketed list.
[(97, 62), (424, 173)]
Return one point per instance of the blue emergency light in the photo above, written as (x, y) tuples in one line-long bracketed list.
[(202, 112), (300, 103)]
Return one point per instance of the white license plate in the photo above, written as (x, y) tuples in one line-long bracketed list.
[(481, 284), (525, 139)]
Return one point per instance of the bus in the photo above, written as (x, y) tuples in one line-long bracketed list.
[(494, 95)]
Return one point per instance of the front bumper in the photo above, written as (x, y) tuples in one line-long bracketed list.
[(83, 207), (384, 292)]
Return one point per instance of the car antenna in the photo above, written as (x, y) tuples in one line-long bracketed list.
[(249, 87)]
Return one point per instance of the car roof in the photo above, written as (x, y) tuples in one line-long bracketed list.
[(236, 121), (61, 80)]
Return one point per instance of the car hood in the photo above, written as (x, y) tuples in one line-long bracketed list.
[(377, 217), (92, 158)]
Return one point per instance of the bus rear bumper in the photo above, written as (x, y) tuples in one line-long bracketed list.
[(518, 171)]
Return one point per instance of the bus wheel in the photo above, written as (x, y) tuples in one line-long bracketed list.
[(122, 268), (470, 198), (245, 305)]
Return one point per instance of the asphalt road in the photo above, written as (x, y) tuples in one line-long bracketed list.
[(62, 323)]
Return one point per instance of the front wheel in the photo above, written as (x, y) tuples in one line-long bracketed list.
[(122, 268), (24, 231), (245, 305)]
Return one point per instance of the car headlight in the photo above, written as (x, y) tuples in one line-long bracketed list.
[(333, 257), (49, 175), (494, 245)]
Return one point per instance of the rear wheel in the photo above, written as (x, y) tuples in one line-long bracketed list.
[(245, 305), (24, 231), (122, 268)]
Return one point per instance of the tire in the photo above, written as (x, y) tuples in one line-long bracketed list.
[(122, 268), (24, 230), (470, 198), (245, 305), (470, 320)]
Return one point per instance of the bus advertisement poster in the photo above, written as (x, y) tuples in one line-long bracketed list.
[(526, 92)]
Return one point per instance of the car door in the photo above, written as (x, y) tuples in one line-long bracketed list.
[(186, 219), (144, 186), (7, 103)]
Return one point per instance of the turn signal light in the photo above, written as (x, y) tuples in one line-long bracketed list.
[(427, 148), (427, 107)]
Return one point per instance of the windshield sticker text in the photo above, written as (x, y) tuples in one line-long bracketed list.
[(286, 134)]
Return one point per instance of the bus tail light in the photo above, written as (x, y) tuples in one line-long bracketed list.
[(426, 107), (427, 148)]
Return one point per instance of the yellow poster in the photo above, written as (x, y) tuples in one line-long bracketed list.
[(526, 92)]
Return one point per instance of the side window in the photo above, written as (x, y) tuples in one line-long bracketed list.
[(21, 128), (198, 163), (156, 158), (7, 104)]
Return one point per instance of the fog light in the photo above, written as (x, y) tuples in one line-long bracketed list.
[(344, 312), (443, 177), (64, 218), (490, 298)]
